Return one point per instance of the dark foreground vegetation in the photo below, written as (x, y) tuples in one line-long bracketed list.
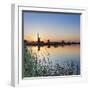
[(34, 67)]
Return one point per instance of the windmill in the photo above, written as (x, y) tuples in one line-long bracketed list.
[(38, 38)]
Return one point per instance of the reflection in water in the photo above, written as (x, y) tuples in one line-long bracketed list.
[(53, 61)]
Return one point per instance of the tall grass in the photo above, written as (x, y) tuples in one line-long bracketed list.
[(34, 67)]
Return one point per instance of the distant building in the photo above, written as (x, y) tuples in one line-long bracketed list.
[(48, 41)]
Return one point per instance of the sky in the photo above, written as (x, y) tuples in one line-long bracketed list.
[(51, 26)]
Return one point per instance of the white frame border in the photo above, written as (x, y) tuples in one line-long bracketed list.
[(16, 41)]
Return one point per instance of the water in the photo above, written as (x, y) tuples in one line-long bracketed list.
[(59, 55)]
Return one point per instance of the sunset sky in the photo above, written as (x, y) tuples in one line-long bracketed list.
[(52, 26)]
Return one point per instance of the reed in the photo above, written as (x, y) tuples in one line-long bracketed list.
[(35, 66)]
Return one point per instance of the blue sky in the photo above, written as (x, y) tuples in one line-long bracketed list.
[(53, 26)]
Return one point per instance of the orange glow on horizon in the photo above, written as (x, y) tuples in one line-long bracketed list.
[(29, 37), (45, 37)]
